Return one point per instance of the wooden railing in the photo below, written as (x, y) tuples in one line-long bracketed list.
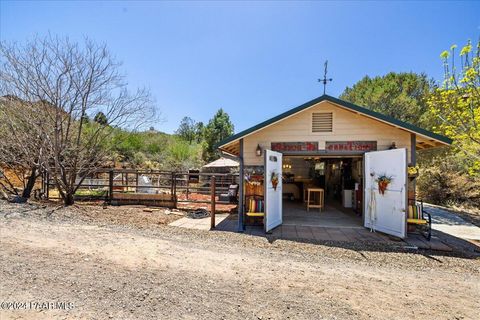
[(150, 187)]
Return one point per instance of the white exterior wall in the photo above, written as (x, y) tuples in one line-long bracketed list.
[(347, 126)]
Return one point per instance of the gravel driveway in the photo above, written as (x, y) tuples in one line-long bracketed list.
[(452, 224), (126, 271)]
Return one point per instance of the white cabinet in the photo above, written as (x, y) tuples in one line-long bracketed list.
[(347, 198)]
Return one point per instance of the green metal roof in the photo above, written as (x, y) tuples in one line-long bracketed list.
[(345, 104)]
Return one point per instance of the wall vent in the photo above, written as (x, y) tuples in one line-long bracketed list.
[(322, 122)]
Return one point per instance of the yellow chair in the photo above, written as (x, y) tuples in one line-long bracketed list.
[(417, 216)]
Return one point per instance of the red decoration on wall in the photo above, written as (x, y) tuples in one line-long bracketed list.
[(346, 146), (294, 146)]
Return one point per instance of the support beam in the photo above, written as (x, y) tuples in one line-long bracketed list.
[(241, 179), (429, 143), (413, 149), (413, 161)]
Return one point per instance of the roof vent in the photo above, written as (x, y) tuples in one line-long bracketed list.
[(322, 122)]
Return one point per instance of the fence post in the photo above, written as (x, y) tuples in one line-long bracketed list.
[(110, 185), (136, 180), (47, 184), (188, 182), (175, 190), (212, 205)]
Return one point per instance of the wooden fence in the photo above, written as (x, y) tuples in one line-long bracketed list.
[(148, 187)]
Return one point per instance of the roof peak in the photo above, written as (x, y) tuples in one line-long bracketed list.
[(342, 103)]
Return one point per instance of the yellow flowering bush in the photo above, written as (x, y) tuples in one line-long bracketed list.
[(455, 106)]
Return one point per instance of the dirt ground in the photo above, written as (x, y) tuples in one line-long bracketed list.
[(202, 197), (107, 266)]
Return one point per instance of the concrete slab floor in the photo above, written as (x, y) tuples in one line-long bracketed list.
[(300, 225), (204, 223), (295, 213)]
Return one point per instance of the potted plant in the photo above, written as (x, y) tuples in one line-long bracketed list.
[(383, 182), (412, 171)]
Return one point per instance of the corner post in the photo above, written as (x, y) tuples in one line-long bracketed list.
[(413, 161), (413, 149), (241, 176)]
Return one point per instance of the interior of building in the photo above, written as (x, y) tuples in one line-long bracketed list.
[(340, 178)]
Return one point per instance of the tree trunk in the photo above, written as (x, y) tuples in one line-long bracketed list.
[(68, 200), (27, 192)]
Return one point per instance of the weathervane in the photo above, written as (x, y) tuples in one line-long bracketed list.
[(325, 80)]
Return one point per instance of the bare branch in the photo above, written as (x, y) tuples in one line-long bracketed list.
[(57, 86)]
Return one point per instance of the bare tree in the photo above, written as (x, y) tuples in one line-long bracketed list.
[(22, 147), (69, 83)]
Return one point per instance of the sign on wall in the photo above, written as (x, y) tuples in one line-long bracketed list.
[(294, 146), (348, 146)]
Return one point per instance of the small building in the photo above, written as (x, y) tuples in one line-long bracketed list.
[(337, 148), (228, 167), (222, 165)]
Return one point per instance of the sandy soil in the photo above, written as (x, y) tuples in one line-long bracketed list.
[(95, 213), (110, 270)]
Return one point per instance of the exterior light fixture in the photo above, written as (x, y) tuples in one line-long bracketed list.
[(258, 151)]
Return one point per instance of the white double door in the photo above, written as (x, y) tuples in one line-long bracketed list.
[(383, 212), (386, 212), (273, 189)]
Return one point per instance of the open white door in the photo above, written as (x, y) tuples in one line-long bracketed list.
[(273, 190), (386, 212)]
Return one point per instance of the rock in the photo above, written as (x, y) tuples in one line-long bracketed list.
[(13, 215), (18, 199)]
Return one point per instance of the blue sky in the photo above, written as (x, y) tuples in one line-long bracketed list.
[(253, 59)]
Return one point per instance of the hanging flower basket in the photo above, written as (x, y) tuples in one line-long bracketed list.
[(413, 172), (383, 182), (274, 179)]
